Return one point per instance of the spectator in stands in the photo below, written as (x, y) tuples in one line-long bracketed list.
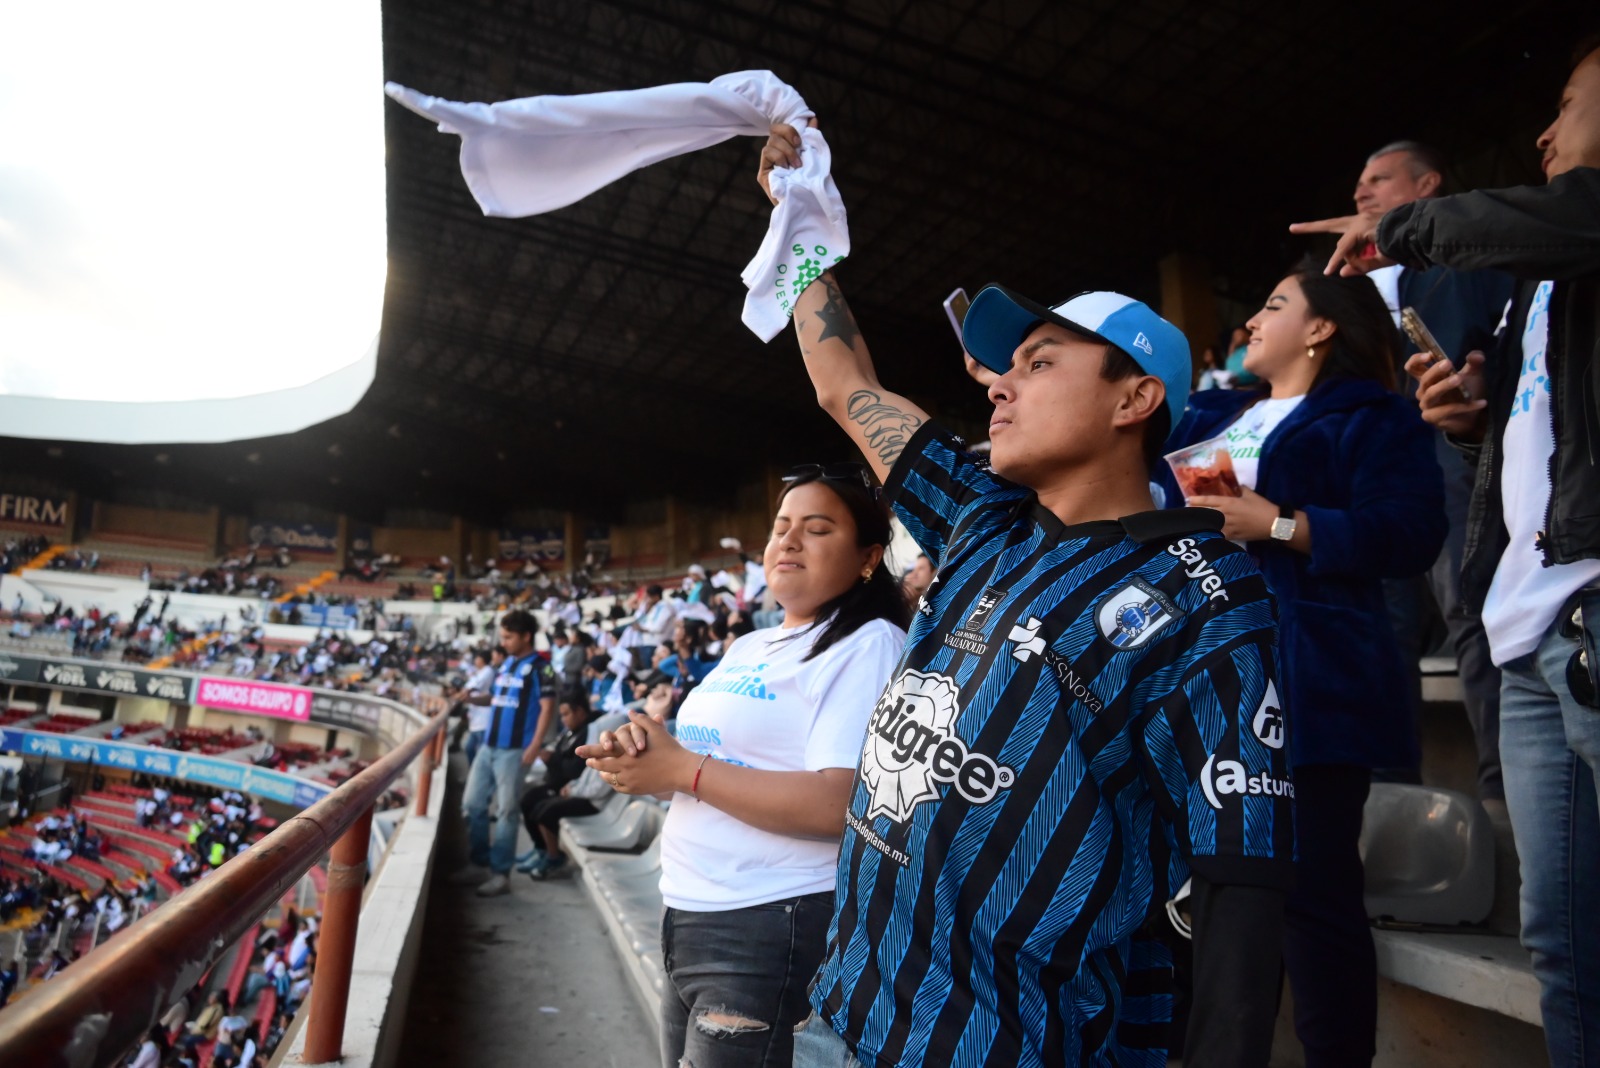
[(653, 627), (203, 1027), (475, 695), (152, 1051), (1036, 632), (1528, 416), (1338, 490), (8, 981), (570, 788), (1462, 310), (918, 578), (760, 773), (520, 717)]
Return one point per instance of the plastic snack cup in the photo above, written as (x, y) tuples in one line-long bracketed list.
[(1205, 469)]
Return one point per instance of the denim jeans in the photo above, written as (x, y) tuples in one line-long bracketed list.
[(496, 776), (1549, 745), (471, 746), (817, 1045), (736, 982)]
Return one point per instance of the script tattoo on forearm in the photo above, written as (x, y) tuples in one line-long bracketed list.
[(835, 316), (887, 429)]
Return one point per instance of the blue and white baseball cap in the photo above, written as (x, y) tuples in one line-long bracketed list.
[(999, 319)]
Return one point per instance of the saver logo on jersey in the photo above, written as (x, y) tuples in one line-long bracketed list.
[(1268, 723), (1223, 778), (1133, 614), (912, 747)]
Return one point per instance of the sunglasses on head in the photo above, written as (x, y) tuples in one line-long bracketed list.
[(848, 473)]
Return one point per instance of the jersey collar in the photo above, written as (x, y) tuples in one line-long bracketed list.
[(1161, 524)]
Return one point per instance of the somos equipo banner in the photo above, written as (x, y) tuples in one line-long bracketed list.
[(255, 698)]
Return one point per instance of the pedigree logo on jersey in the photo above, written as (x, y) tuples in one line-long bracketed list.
[(1132, 615), (912, 747), (1221, 779)]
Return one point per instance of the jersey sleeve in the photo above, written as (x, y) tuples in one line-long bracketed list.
[(935, 482), (1216, 753), (846, 683)]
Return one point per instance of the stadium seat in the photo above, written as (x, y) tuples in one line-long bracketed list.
[(1429, 855)]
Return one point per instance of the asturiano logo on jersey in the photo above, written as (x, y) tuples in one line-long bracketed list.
[(912, 747), (1222, 778)]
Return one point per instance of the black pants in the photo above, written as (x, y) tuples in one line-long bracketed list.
[(736, 982), (544, 805), (1333, 969)]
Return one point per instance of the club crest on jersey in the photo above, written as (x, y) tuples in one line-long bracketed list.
[(912, 747), (1268, 723), (969, 636), (1133, 614)]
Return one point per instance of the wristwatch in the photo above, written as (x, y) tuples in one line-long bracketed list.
[(1283, 526)]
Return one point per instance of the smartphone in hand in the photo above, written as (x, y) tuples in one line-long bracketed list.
[(955, 306), (1421, 336)]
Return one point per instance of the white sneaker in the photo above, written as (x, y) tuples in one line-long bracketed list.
[(498, 884), (471, 875)]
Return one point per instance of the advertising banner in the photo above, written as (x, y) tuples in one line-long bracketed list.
[(32, 508), (19, 669), (532, 543), (346, 710), (315, 537), (116, 681), (331, 616), (189, 767), (253, 698)]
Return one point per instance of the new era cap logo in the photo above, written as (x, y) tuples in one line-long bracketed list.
[(1143, 343)]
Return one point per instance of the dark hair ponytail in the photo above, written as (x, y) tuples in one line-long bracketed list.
[(879, 597), (1366, 343)]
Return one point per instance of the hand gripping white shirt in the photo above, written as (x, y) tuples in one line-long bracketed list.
[(536, 154)]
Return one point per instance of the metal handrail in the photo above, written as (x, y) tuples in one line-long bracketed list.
[(92, 1013)]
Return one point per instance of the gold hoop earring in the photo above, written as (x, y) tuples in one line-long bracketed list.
[(866, 576)]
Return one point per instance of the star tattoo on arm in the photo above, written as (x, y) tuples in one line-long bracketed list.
[(835, 316)]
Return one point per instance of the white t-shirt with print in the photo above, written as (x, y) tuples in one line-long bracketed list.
[(1249, 432), (764, 706), (1525, 595), (482, 681)]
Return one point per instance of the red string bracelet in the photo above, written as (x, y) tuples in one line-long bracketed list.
[(694, 787)]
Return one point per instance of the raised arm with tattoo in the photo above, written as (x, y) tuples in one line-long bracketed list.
[(880, 422)]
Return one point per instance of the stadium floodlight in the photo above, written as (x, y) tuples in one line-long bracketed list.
[(192, 224)]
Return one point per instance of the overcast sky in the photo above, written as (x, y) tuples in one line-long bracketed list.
[(191, 196)]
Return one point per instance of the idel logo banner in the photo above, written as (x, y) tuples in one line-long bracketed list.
[(255, 698)]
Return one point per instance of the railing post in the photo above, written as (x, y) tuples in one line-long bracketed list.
[(336, 942), (424, 782)]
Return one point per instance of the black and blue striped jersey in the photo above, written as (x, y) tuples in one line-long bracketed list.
[(1082, 715)]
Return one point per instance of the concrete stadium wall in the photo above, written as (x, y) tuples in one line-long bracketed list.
[(388, 944), (201, 527)]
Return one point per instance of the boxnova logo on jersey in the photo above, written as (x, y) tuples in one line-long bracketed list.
[(969, 636), (1031, 642), (912, 747), (1133, 614)]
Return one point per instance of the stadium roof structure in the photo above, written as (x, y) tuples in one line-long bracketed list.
[(595, 355)]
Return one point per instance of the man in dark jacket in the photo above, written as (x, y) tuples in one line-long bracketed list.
[(1461, 310), (1530, 416)]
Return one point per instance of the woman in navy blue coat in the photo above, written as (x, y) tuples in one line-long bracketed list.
[(1339, 490)]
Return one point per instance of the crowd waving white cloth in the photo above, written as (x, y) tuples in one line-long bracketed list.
[(540, 153)]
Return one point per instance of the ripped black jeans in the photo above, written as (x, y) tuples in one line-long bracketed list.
[(736, 982)]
